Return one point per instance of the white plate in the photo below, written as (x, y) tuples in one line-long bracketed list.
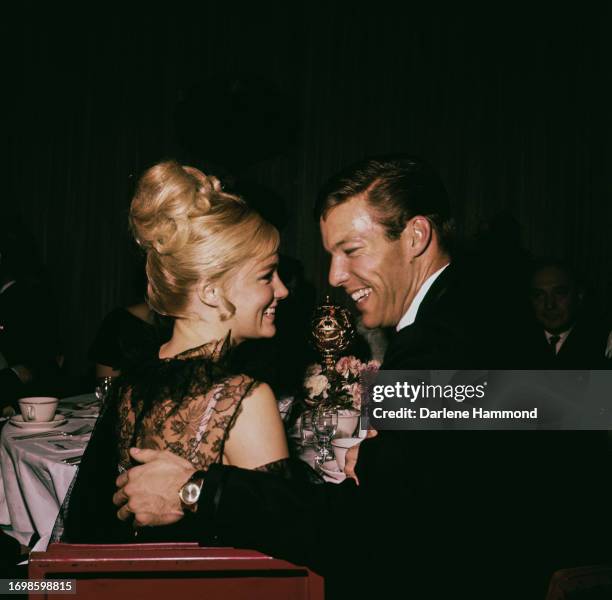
[(331, 470), (18, 421)]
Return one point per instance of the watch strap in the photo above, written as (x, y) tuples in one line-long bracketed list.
[(196, 478)]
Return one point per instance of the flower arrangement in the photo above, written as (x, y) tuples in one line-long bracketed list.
[(339, 388)]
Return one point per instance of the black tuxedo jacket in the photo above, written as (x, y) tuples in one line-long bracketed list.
[(470, 514), (448, 332), (584, 348)]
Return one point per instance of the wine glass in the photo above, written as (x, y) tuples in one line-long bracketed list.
[(103, 386), (324, 423), (306, 428)]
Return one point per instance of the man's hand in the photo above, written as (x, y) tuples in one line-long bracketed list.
[(150, 491), (352, 454)]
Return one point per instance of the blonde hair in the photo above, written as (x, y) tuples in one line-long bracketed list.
[(193, 233)]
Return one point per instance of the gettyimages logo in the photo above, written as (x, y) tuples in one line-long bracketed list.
[(427, 391)]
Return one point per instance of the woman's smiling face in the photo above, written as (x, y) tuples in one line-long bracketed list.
[(255, 291)]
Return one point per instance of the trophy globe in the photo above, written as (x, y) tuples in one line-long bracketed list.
[(332, 332)]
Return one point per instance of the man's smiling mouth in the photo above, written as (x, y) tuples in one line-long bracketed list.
[(360, 295)]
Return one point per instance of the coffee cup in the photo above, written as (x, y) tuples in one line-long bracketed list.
[(38, 408)]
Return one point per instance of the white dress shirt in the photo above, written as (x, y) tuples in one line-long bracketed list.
[(562, 337), (413, 309), (7, 285)]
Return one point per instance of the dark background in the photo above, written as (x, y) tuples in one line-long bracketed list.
[(512, 105)]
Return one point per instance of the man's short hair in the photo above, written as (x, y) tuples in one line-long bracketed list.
[(547, 262), (397, 189)]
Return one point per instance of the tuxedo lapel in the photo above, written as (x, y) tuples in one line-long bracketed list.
[(437, 291), (417, 346)]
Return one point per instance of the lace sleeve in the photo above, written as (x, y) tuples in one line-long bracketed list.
[(278, 467), (232, 393)]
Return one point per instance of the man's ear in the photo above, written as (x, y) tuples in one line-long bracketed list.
[(417, 235)]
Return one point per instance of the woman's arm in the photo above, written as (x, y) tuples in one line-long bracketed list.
[(258, 436)]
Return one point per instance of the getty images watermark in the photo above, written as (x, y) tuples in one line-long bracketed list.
[(395, 400)]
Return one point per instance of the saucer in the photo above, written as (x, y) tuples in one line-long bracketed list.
[(18, 421), (331, 470), (78, 414)]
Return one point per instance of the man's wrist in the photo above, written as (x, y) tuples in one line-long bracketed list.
[(191, 490)]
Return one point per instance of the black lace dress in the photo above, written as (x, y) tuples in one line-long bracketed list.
[(187, 405)]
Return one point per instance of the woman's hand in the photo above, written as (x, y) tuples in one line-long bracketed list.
[(352, 455)]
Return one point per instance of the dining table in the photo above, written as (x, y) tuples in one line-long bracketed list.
[(38, 464)]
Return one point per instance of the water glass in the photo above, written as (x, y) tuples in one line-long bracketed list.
[(325, 423), (306, 432), (103, 387)]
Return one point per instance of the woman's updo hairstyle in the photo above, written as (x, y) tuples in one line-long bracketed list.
[(193, 233)]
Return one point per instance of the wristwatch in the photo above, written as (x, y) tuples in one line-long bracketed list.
[(190, 491)]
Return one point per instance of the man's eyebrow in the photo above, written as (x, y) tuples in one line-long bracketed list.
[(344, 241)]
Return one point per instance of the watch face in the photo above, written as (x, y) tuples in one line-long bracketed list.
[(190, 493)]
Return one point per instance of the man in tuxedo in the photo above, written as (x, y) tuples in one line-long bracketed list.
[(565, 337), (435, 513)]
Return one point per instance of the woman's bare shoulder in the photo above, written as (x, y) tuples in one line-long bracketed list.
[(257, 436), (257, 392)]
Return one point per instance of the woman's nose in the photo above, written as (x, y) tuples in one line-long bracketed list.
[(280, 289)]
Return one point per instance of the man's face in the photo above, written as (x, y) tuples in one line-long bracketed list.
[(554, 299), (373, 270)]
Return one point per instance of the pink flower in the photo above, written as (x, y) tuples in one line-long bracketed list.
[(316, 385), (354, 389), (348, 365), (314, 369), (371, 366)]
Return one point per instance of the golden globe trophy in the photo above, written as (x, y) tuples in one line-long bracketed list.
[(332, 333)]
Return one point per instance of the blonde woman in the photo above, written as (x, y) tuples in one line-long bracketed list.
[(212, 266)]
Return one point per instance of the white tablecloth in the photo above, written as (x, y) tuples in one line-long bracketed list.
[(34, 478)]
